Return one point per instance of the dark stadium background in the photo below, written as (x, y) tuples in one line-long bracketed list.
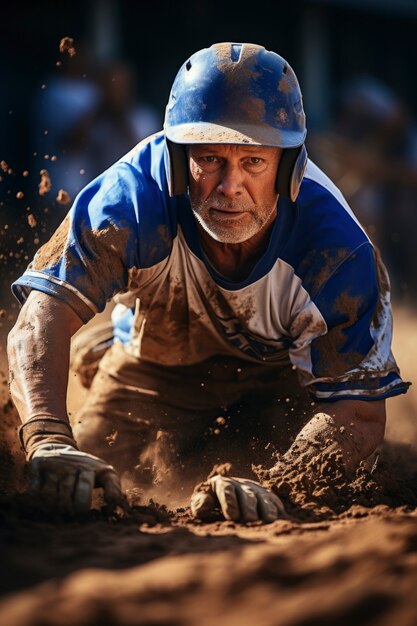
[(327, 43)]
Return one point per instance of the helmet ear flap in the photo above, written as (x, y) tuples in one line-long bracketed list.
[(176, 168), (291, 169)]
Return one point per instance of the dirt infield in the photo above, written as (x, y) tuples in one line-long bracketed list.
[(344, 562)]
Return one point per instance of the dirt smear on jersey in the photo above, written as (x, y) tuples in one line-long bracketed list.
[(347, 555)]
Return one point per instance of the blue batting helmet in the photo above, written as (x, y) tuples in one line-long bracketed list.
[(236, 93)]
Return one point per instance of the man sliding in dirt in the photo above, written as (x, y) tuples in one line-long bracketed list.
[(253, 322)]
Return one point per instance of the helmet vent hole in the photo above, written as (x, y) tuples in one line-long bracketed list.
[(235, 52), (188, 66), (285, 70)]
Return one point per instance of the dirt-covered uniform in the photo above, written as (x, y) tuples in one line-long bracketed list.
[(317, 302)]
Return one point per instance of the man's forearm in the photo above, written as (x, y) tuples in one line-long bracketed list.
[(62, 476), (38, 352)]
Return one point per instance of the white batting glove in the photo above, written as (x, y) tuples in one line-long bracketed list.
[(240, 500), (65, 477)]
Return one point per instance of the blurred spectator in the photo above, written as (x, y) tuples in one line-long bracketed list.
[(66, 99), (118, 121), (90, 123), (371, 153)]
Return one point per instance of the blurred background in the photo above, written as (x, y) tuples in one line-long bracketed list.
[(67, 115)]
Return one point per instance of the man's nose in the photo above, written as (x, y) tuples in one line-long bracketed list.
[(231, 181)]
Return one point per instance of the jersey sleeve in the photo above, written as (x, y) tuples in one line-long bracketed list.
[(351, 358), (86, 261)]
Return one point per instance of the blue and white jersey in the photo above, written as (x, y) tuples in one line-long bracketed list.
[(318, 297)]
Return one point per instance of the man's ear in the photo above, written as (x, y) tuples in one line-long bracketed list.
[(176, 167), (291, 170)]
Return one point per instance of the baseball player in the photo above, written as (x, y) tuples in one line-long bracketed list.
[(253, 321)]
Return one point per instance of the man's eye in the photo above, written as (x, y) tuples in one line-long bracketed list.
[(210, 159), (255, 160)]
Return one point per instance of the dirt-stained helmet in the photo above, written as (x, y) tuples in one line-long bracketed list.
[(236, 93)]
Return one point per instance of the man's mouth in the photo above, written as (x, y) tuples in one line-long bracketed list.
[(226, 215)]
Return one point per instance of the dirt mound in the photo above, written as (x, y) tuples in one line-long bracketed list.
[(320, 489)]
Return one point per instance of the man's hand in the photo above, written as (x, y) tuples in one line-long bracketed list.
[(64, 477), (349, 430), (240, 500)]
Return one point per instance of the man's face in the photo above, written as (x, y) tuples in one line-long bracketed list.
[(232, 189)]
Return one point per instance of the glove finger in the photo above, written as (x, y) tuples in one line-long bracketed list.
[(66, 486), (49, 488), (44, 483), (279, 505), (248, 502), (83, 491), (225, 490), (110, 483), (35, 478), (268, 510), (202, 504), (48, 493), (268, 500)]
